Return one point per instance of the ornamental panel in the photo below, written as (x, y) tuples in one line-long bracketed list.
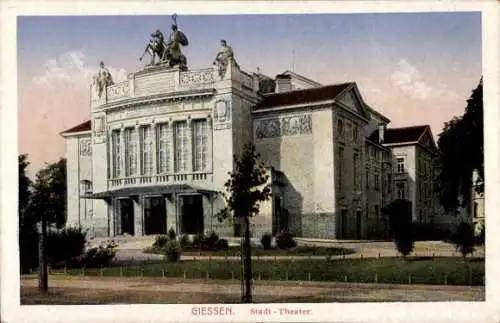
[(283, 126)]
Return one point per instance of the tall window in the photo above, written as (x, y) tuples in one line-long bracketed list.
[(116, 151), (401, 190), (181, 146), (340, 127), (163, 148), (200, 145), (400, 165), (146, 150), (367, 179), (355, 171), (130, 152), (341, 164), (376, 178)]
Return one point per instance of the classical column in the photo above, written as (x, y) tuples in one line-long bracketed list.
[(154, 168), (171, 152), (122, 152), (110, 155), (138, 150), (209, 144), (189, 146)]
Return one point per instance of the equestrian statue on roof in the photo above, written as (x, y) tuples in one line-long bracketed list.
[(167, 52)]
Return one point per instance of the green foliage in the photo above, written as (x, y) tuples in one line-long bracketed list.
[(266, 240), (464, 238), (199, 240), (210, 240), (172, 251), (184, 241), (49, 194), (28, 248), (160, 241), (243, 186), (65, 246), (462, 140), (285, 240), (101, 256), (221, 244), (171, 234), (24, 191), (401, 225)]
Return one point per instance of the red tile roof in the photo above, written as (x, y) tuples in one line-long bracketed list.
[(400, 135), (84, 126), (323, 93)]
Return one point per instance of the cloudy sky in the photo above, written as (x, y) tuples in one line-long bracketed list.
[(416, 68)]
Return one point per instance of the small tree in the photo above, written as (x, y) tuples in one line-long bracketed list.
[(464, 239), (247, 187), (401, 225)]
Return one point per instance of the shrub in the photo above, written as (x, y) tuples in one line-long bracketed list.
[(221, 244), (210, 240), (285, 240), (480, 237), (401, 224), (184, 241), (160, 241), (28, 248), (100, 256), (172, 251), (266, 241), (464, 238), (171, 234), (199, 240), (65, 246)]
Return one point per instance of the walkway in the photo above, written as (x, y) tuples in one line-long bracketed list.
[(108, 290)]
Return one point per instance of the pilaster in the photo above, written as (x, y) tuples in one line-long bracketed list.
[(122, 151), (189, 161), (210, 143), (171, 152), (154, 168), (138, 149)]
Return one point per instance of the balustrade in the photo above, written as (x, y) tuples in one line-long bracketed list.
[(173, 178)]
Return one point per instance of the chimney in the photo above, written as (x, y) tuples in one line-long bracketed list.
[(381, 132), (283, 83)]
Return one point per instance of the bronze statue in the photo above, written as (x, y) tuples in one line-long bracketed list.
[(103, 79), (224, 57), (167, 52)]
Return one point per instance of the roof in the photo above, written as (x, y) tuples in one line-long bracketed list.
[(301, 77), (84, 126), (153, 189), (311, 95), (400, 135)]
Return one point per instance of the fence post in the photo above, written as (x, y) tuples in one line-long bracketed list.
[(65, 271), (309, 276), (102, 272), (121, 271), (184, 274), (286, 275), (163, 273), (345, 278), (409, 279), (446, 279), (207, 274), (260, 275), (83, 271), (376, 278)]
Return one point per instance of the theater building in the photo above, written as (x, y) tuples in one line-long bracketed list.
[(158, 148)]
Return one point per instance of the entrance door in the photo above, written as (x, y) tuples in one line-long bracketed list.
[(126, 216), (155, 215), (192, 214), (358, 225), (343, 225)]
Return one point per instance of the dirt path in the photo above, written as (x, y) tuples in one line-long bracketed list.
[(108, 290)]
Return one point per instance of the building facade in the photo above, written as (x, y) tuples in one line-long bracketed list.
[(158, 148)]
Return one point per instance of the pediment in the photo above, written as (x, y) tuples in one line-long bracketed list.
[(352, 100), (427, 140)]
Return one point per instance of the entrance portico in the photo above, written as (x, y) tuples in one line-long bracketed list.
[(150, 210)]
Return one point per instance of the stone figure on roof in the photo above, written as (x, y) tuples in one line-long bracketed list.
[(167, 52), (103, 79), (224, 57)]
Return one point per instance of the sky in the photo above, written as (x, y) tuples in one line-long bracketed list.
[(415, 68)]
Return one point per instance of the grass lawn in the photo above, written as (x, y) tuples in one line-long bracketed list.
[(440, 270), (259, 251)]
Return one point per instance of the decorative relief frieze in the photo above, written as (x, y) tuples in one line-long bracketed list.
[(118, 91), (85, 147), (283, 126), (197, 77), (123, 114), (222, 115)]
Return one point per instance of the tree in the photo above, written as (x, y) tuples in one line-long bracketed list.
[(464, 238), (49, 194), (247, 187), (462, 140), (24, 188), (401, 225)]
